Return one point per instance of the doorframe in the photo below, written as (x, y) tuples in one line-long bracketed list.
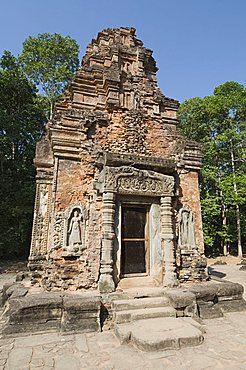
[(135, 201), (127, 180), (146, 239)]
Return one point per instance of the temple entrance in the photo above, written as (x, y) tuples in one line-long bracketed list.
[(134, 241)]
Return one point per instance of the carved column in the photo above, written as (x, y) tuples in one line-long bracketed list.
[(42, 209), (170, 277), (106, 282)]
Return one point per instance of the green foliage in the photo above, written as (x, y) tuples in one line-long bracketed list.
[(21, 124), (219, 123), (193, 117), (50, 62), (211, 213), (47, 64)]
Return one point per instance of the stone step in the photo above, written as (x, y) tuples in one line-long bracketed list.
[(139, 292), (160, 334), (141, 314), (139, 303)]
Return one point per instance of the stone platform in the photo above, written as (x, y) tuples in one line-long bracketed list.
[(151, 318), (224, 346), (28, 312), (208, 299)]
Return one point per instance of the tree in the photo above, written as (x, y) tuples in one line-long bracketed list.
[(50, 62), (21, 124), (218, 122), (230, 100)]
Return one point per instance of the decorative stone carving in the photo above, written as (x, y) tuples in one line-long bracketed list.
[(192, 264), (106, 282), (113, 134), (170, 277), (41, 220), (129, 180), (186, 231), (135, 133), (74, 231), (69, 229), (58, 231)]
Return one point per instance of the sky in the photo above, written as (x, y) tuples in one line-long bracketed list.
[(198, 44)]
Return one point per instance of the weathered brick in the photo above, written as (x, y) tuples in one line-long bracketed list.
[(113, 121)]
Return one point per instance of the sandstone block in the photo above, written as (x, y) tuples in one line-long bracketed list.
[(179, 298), (208, 310), (81, 313), (205, 291), (227, 288), (160, 334), (232, 305), (33, 313)]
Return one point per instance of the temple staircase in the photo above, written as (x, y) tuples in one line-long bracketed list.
[(139, 308), (143, 316)]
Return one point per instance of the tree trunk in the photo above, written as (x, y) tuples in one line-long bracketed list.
[(224, 222), (239, 242), (51, 109)]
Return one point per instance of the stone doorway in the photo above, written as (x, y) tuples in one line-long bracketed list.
[(134, 241)]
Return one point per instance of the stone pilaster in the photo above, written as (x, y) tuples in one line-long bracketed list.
[(42, 209), (106, 282), (170, 277), (40, 231)]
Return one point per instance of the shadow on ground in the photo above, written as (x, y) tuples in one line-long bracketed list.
[(213, 272)]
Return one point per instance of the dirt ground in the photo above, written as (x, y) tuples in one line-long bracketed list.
[(224, 260), (12, 266)]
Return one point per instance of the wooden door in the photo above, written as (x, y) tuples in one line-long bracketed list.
[(134, 243)]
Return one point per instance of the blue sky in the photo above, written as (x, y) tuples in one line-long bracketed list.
[(198, 44)]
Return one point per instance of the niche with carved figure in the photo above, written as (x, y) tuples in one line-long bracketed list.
[(186, 230), (75, 230)]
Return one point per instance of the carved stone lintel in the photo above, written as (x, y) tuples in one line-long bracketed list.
[(170, 277), (106, 282), (129, 180)]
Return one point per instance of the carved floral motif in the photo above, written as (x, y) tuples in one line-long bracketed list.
[(41, 219), (130, 180), (58, 230)]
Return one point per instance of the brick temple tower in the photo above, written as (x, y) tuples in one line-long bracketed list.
[(117, 186)]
